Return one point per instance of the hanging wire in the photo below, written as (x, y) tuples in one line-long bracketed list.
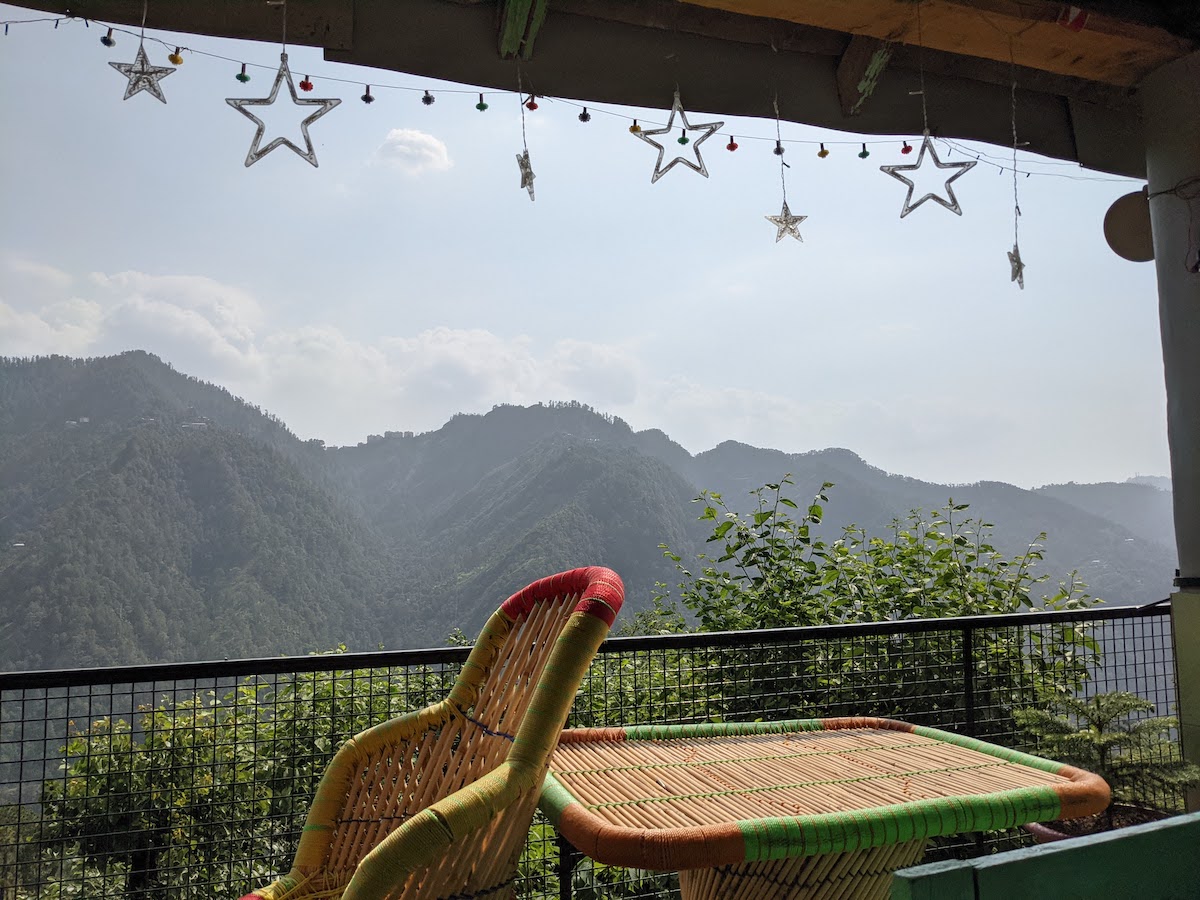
[(1016, 199), (921, 70), (520, 94), (283, 35), (779, 143)]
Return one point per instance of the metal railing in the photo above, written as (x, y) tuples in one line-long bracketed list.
[(192, 780)]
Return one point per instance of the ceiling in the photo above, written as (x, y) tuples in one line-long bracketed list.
[(851, 65)]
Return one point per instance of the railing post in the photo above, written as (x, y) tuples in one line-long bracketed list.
[(568, 856), (968, 676)]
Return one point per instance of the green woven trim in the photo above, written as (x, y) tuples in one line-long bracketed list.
[(969, 743), (719, 729), (780, 838), (555, 799)]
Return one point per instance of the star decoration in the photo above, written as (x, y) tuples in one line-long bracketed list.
[(709, 130), (527, 175), (927, 147), (256, 152), (143, 76), (1018, 267), (786, 223)]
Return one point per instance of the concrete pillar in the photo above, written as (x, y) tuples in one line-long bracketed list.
[(1171, 111)]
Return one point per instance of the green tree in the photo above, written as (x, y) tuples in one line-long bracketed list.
[(205, 796), (1115, 735), (775, 568)]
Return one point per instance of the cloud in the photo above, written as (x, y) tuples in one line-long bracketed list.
[(413, 152), (330, 383)]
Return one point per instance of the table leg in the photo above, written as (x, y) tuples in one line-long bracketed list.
[(855, 875), (568, 857)]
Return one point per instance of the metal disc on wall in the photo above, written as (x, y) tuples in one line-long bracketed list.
[(1127, 227)]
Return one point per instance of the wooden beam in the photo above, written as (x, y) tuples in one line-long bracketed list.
[(1108, 50), (787, 37), (859, 70)]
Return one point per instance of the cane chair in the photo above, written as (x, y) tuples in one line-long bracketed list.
[(436, 804)]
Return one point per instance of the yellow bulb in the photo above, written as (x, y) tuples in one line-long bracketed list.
[(175, 59)]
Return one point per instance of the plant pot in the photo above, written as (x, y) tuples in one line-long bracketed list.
[(1123, 815)]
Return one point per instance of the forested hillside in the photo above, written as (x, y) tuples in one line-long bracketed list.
[(147, 516)]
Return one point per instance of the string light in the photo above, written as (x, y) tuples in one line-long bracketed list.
[(108, 39), (732, 145), (482, 104), (585, 116), (367, 98), (175, 59), (864, 153), (306, 85)]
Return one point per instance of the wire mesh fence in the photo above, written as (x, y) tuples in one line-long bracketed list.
[(192, 781)]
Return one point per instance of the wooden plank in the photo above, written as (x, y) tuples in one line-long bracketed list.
[(948, 880), (312, 23), (671, 15), (859, 71), (1157, 861), (1108, 50)]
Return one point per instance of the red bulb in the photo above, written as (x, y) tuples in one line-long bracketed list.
[(907, 148), (732, 145), (531, 104), (306, 85)]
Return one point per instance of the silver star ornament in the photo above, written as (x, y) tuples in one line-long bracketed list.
[(257, 152), (709, 130), (1018, 267), (786, 223), (527, 175), (960, 168), (143, 76)]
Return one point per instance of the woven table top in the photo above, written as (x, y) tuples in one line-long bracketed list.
[(700, 795)]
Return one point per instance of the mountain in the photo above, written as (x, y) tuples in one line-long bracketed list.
[(148, 516)]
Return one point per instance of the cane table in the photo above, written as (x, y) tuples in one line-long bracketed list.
[(807, 808)]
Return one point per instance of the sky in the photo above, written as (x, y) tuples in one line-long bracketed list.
[(409, 277)]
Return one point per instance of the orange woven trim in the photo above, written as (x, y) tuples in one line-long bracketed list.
[(667, 849), (841, 722), (600, 590), (1086, 795), (591, 735)]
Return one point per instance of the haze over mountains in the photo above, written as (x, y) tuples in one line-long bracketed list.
[(146, 516)]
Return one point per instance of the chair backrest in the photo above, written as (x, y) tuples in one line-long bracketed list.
[(437, 803)]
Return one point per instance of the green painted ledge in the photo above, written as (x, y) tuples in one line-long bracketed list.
[(1158, 861)]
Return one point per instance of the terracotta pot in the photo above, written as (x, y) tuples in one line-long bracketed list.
[(1048, 832)]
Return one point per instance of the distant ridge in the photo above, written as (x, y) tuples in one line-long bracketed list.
[(162, 518)]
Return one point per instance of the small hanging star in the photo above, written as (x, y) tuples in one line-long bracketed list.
[(709, 130), (1018, 267), (256, 153), (143, 76), (527, 175), (928, 147), (786, 223)]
